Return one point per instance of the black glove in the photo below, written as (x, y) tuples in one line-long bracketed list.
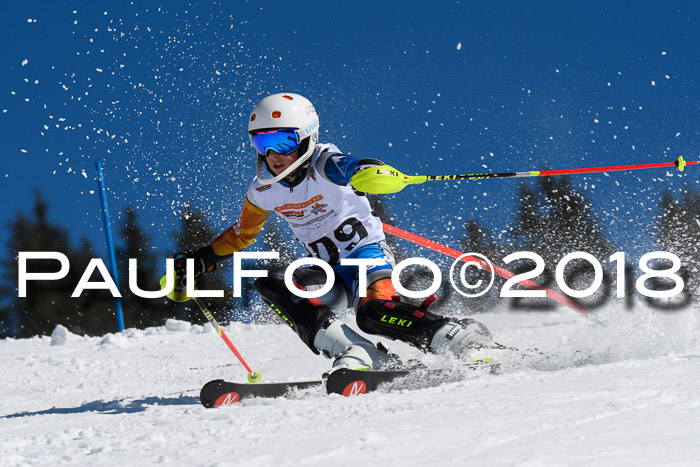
[(204, 261), (365, 164)]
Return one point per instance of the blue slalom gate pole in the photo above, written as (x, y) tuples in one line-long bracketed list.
[(110, 246)]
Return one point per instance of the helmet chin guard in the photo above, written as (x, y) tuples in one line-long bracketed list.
[(285, 110)]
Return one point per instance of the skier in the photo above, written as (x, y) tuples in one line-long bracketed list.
[(307, 183)]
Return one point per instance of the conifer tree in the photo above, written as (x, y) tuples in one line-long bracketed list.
[(556, 220), (678, 232), (49, 303), (476, 239), (138, 311), (194, 234)]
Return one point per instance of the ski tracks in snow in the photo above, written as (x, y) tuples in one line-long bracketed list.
[(132, 399)]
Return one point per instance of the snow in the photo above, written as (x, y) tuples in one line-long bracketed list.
[(623, 394), (60, 335), (177, 325)]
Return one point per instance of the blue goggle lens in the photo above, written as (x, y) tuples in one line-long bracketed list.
[(281, 141)]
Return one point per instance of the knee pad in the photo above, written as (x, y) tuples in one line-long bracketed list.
[(401, 321)]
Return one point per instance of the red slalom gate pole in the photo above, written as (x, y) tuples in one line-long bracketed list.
[(424, 242)]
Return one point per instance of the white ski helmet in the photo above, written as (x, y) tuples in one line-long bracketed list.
[(286, 110)]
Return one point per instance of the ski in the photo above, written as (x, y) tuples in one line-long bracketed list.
[(355, 382), (219, 393)]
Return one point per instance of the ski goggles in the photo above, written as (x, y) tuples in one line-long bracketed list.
[(284, 141)]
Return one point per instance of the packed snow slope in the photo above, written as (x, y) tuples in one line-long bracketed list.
[(623, 394)]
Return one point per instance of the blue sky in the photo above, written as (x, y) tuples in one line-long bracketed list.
[(160, 92)]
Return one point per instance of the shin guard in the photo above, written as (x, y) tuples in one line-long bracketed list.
[(401, 321), (305, 317)]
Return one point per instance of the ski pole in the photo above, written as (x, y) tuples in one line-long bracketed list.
[(386, 179), (253, 376)]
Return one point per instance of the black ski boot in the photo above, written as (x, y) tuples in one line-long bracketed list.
[(465, 338)]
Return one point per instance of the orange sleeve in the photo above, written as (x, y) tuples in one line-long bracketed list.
[(242, 233)]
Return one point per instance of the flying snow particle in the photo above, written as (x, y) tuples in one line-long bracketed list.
[(24, 62), (459, 46), (653, 83)]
